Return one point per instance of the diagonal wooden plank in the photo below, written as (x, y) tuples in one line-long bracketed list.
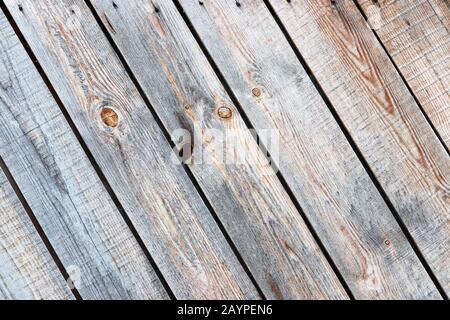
[(362, 236), (60, 185), (250, 200), (417, 37), (131, 150), (386, 124), (27, 270)]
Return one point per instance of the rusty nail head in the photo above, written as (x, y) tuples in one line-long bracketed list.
[(256, 92), (225, 112)]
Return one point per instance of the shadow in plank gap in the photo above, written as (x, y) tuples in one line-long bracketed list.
[(417, 38), (27, 271), (39, 231), (382, 117), (317, 162), (61, 187)]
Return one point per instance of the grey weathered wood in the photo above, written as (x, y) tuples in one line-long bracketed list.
[(375, 105), (416, 35), (131, 150), (86, 229), (249, 199), (316, 159), (27, 270)]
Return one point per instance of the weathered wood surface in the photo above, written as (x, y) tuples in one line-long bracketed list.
[(316, 159), (249, 199), (86, 229), (417, 37), (75, 211), (129, 147), (387, 125), (27, 270)]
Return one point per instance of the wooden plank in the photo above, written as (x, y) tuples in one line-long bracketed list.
[(61, 186), (417, 37), (132, 152), (316, 159), (249, 199), (27, 270), (401, 149)]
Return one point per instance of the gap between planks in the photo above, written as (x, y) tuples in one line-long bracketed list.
[(263, 148), (357, 151), (344, 12), (37, 226), (416, 99)]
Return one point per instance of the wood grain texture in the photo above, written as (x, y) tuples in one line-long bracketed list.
[(27, 270), (62, 188), (385, 122), (131, 150), (319, 165), (248, 197), (417, 37)]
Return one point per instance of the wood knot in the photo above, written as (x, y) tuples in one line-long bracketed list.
[(109, 117), (256, 92), (225, 112)]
